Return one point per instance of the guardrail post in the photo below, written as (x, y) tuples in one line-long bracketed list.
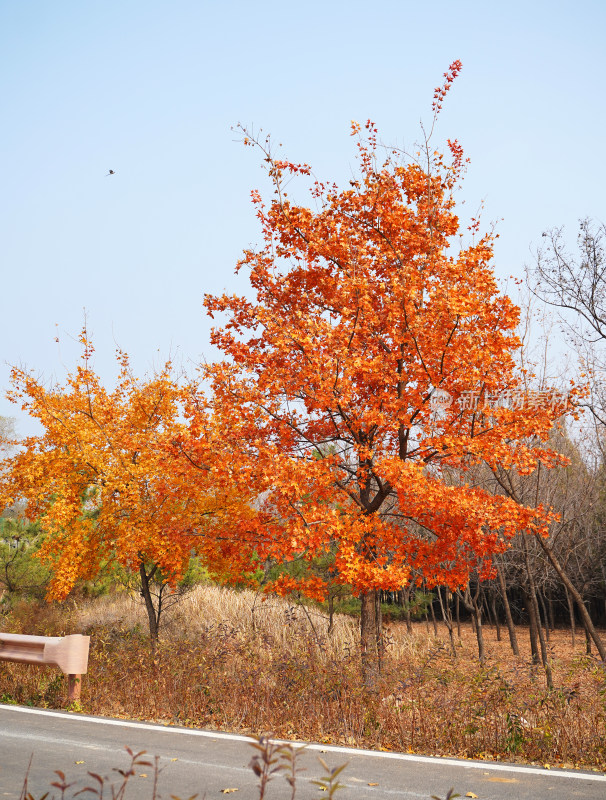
[(74, 683)]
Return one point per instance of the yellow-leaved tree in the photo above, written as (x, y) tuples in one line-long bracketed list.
[(117, 477)]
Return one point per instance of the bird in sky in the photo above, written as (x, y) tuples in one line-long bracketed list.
[(111, 172)]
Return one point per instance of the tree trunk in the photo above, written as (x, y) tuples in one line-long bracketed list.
[(513, 639), (379, 628), (587, 643), (152, 616), (458, 614), (370, 634), (473, 604), (534, 604), (541, 635), (545, 617), (477, 614), (571, 616), (532, 626), (433, 619), (495, 616), (551, 612), (406, 604), (447, 617)]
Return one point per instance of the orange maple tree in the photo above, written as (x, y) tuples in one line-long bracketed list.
[(113, 479), (376, 356)]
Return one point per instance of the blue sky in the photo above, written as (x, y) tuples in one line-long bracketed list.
[(151, 90)]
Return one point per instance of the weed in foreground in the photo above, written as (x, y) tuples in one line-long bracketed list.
[(270, 760), (99, 784)]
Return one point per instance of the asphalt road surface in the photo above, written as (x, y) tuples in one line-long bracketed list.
[(208, 763)]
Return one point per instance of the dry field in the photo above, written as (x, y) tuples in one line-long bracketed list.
[(228, 660)]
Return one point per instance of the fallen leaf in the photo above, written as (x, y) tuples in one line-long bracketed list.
[(78, 762), (502, 780), (373, 784), (471, 794), (143, 774), (174, 759), (228, 791)]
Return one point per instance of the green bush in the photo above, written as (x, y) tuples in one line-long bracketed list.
[(22, 574)]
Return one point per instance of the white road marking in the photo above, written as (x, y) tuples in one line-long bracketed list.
[(38, 737), (105, 748), (234, 737)]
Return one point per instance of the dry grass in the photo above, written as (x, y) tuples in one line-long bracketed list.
[(230, 661)]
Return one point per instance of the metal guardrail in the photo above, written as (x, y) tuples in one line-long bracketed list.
[(69, 653)]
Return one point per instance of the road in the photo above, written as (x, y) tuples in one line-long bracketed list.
[(210, 762)]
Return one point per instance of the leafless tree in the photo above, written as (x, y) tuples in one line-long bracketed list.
[(575, 284)]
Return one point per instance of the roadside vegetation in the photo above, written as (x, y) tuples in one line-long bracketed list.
[(232, 660)]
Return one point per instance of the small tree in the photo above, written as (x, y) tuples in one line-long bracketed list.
[(380, 343), (109, 480)]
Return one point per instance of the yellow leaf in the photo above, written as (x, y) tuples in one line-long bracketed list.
[(471, 794), (228, 791), (143, 775), (78, 762), (373, 784)]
